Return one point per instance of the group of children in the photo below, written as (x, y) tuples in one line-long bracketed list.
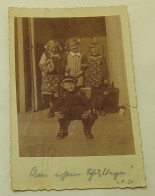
[(62, 78)]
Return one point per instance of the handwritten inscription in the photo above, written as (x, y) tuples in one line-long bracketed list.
[(66, 174), (91, 173), (101, 173), (120, 177), (36, 174)]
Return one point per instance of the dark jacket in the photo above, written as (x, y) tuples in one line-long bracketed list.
[(69, 99)]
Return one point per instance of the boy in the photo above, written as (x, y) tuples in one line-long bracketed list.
[(73, 105)]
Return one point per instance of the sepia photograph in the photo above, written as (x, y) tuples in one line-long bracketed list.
[(71, 87), (74, 118)]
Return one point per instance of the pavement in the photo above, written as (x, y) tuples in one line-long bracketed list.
[(113, 135)]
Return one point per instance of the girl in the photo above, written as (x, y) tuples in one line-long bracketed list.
[(51, 71), (74, 62), (96, 76)]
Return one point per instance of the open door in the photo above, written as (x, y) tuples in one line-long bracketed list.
[(34, 67), (33, 34), (26, 73)]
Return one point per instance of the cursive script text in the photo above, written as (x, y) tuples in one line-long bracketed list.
[(101, 173), (66, 174), (34, 173)]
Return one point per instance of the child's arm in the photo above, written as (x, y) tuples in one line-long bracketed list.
[(42, 62), (50, 65), (76, 75), (46, 65), (86, 102)]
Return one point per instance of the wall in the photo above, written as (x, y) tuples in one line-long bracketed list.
[(116, 57)]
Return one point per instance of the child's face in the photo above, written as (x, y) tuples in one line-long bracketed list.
[(73, 47), (94, 51), (69, 86), (53, 49)]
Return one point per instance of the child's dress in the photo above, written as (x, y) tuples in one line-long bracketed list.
[(74, 67), (51, 73), (95, 75), (96, 71)]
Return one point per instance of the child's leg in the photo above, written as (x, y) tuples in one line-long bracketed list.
[(87, 128), (44, 101), (87, 124), (64, 124), (51, 103), (63, 132)]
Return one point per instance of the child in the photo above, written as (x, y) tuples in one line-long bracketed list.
[(96, 76), (51, 71), (73, 105), (74, 62)]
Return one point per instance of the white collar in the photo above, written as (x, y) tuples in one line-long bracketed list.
[(75, 54)]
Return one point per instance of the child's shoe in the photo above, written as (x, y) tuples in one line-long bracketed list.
[(90, 135), (61, 135), (102, 113), (50, 114)]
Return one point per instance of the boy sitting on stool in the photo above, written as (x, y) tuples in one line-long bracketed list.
[(73, 105)]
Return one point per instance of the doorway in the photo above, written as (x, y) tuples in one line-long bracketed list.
[(38, 31)]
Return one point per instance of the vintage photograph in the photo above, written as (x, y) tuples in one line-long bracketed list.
[(74, 118), (71, 87)]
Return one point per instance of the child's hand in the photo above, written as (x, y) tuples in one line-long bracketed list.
[(51, 69), (59, 115), (67, 69), (76, 75), (86, 114)]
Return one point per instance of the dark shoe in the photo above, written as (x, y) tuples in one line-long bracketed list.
[(86, 133), (102, 113), (51, 114), (61, 135), (97, 113), (90, 136), (43, 107)]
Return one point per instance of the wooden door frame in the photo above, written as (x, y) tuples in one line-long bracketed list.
[(35, 100)]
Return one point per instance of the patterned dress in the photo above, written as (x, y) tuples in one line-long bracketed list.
[(96, 71), (51, 73)]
